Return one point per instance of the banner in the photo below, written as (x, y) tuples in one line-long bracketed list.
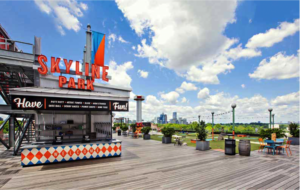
[(98, 47), (49, 103)]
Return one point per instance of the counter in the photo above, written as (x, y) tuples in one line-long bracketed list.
[(48, 153)]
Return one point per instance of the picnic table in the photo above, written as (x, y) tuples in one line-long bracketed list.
[(272, 144)]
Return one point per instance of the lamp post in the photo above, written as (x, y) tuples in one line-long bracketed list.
[(273, 117), (199, 119), (212, 129), (233, 118), (270, 110)]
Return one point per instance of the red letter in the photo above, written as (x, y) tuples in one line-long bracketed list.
[(71, 83), (86, 69), (95, 71), (41, 60), (104, 73), (68, 65), (80, 84), (62, 81), (77, 72), (89, 85), (55, 65)]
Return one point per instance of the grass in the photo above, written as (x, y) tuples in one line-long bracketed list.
[(213, 144)]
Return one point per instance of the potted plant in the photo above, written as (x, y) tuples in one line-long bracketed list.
[(294, 131), (146, 131), (167, 132), (124, 128), (201, 144), (268, 133)]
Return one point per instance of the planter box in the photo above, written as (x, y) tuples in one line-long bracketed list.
[(167, 140), (147, 137), (295, 140), (202, 145)]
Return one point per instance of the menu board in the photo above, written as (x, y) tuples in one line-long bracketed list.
[(49, 103)]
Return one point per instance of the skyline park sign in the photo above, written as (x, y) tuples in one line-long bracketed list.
[(81, 84)]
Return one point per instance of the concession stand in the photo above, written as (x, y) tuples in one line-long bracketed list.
[(72, 116)]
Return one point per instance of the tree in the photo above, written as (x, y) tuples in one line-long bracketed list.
[(200, 130)]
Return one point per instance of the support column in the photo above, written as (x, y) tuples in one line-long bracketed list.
[(273, 116), (12, 131), (212, 128), (233, 118), (270, 110), (139, 100)]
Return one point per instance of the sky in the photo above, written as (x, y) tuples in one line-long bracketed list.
[(189, 57)]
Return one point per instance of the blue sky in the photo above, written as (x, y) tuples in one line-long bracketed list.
[(195, 43)]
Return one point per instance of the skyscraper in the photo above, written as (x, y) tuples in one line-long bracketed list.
[(175, 115)]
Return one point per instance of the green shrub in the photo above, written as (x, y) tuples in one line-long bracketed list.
[(168, 131), (124, 127), (268, 133), (294, 129), (114, 128), (133, 127), (146, 130), (200, 130)]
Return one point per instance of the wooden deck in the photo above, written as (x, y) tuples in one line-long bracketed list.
[(153, 165)]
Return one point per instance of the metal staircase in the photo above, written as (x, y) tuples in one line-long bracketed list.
[(11, 79), (25, 130)]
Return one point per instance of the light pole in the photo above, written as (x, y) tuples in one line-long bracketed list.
[(212, 129), (233, 118), (273, 116), (270, 110), (199, 119)]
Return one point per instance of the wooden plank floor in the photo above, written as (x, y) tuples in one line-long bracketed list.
[(153, 165)]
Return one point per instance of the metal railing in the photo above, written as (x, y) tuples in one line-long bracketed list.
[(22, 134), (1, 128), (10, 45)]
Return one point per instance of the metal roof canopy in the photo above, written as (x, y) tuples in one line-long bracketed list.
[(65, 93)]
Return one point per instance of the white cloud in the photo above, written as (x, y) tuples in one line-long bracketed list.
[(280, 66), (180, 90), (239, 52), (208, 74), (185, 86), (292, 98), (133, 47), (113, 37), (178, 24), (203, 93), (170, 97), (143, 74), (132, 95), (152, 100), (119, 74), (84, 6), (273, 35), (251, 109), (243, 86), (122, 40), (184, 100), (66, 13)]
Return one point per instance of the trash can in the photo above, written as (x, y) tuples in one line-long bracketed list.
[(229, 146), (244, 147), (119, 132)]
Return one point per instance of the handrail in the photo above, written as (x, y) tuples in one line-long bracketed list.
[(12, 43), (20, 139), (4, 122), (1, 127)]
